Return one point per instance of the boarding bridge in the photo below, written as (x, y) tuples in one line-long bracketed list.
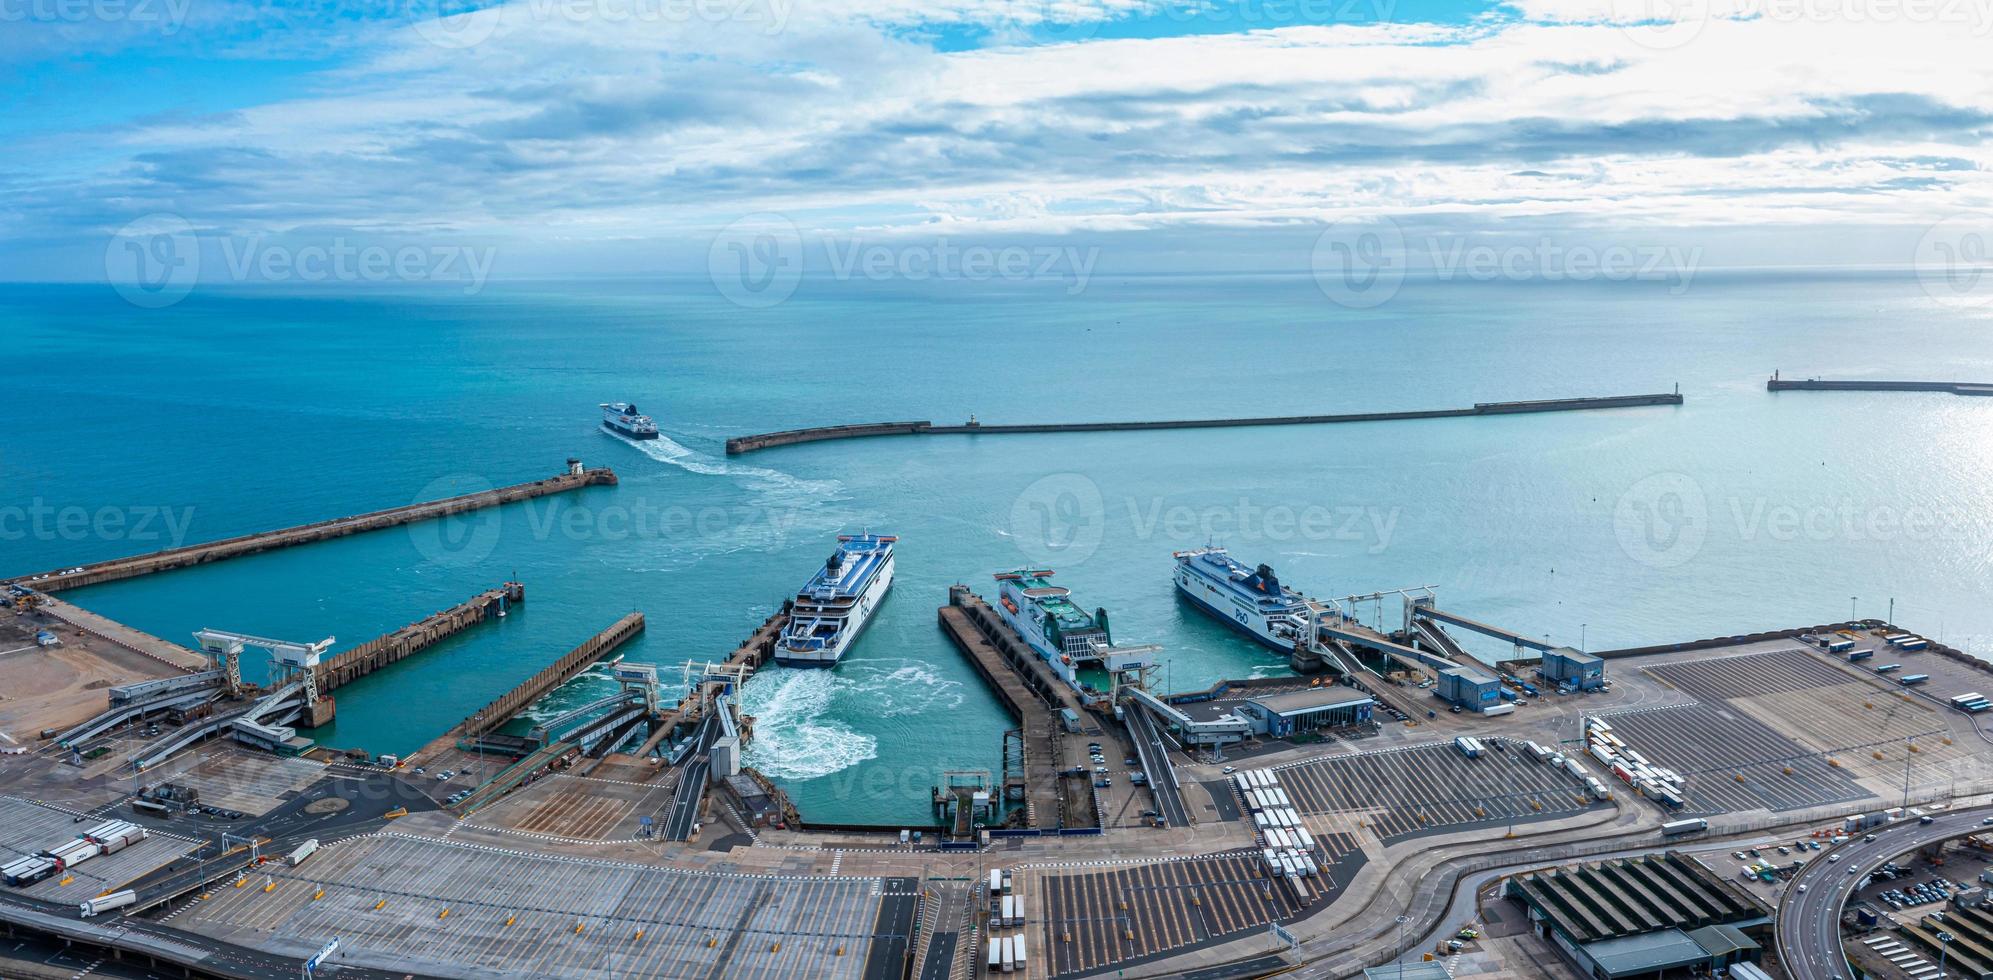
[(128, 712), (545, 732), (1417, 610), (1376, 641), (1430, 633), (281, 703), (147, 690), (1192, 731)]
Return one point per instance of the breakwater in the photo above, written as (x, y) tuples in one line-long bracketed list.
[(249, 544), (1819, 384), (790, 437)]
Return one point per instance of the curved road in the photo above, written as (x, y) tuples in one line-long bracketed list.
[(1809, 923)]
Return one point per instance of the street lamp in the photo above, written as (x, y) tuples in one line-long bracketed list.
[(1944, 946), (1851, 608), (1401, 944), (1581, 636)]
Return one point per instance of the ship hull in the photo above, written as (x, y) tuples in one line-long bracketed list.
[(1244, 626), (630, 433), (861, 616)]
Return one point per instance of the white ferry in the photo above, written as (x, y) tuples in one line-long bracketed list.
[(1068, 638), (1251, 601), (833, 607), (624, 419)]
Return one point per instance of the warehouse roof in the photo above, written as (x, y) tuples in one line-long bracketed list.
[(1650, 952), (1312, 700), (1631, 897)]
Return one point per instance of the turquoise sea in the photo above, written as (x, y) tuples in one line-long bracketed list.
[(235, 411)]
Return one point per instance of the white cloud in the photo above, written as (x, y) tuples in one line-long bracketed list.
[(588, 129)]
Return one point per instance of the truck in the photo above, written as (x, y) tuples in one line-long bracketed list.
[(1854, 656), (303, 851), (1468, 747), (1679, 828), (105, 903), (1909, 679), (996, 954), (1887, 668)]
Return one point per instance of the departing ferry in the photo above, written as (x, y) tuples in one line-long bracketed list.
[(624, 419), (1251, 601), (833, 607), (1065, 636)]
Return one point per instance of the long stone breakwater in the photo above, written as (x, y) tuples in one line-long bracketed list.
[(790, 437), (1819, 384), (339, 527)]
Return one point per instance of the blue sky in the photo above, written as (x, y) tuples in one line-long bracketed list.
[(628, 136)]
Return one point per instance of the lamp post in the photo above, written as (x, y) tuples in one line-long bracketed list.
[(1581, 636), (1851, 608), (1401, 944), (1944, 947)]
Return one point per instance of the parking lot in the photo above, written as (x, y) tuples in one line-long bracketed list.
[(26, 828), (1423, 789), (231, 778), (1785, 730), (398, 902), (1089, 917), (579, 808)]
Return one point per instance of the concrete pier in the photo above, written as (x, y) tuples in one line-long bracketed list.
[(137, 641), (501, 710), (351, 665), (249, 544), (790, 437), (1032, 695), (1818, 384)]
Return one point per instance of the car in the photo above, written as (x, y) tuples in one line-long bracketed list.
[(1228, 770), (1100, 769), (1850, 870), (1802, 887), (1131, 761), (1456, 709), (1752, 851), (1870, 839), (1103, 783), (1739, 855), (418, 770), (1926, 819), (1831, 858), (1782, 849)]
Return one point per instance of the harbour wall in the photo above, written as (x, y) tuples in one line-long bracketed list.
[(339, 527), (501, 710), (790, 437), (351, 665), (1950, 387)]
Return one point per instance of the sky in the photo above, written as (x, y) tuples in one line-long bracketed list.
[(667, 137)]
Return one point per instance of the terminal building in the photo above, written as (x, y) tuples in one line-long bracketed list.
[(1563, 665), (1469, 689), (1654, 917), (1299, 712)]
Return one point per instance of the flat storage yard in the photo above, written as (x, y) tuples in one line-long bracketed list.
[(237, 779), (399, 902), (1421, 789), (1090, 917), (28, 828), (1786, 730)]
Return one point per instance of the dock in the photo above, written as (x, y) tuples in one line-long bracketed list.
[(790, 437), (1982, 389), (137, 641), (1030, 693), (351, 665), (574, 478), (488, 718)]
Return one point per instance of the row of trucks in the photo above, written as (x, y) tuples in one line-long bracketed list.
[(108, 837), (1658, 783), (1005, 953), (1290, 850), (1558, 760)]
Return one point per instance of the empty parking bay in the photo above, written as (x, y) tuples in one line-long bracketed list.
[(1117, 916), (1427, 788)]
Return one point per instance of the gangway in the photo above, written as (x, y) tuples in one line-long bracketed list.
[(1433, 634), (122, 713), (1425, 610), (146, 690), (279, 704), (1154, 756)]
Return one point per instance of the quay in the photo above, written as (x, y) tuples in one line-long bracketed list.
[(1820, 384), (488, 718), (790, 437), (1030, 693), (575, 477), (351, 665)]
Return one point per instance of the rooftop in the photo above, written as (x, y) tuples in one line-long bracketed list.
[(1633, 896), (1311, 700)]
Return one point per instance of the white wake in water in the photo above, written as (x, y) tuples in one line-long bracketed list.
[(666, 450), (799, 731)]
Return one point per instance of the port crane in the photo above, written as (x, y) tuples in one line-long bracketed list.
[(289, 660)]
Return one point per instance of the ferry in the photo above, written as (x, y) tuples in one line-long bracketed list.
[(835, 604), (1066, 637), (624, 419), (1251, 601)]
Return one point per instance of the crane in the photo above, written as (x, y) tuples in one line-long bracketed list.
[(288, 659)]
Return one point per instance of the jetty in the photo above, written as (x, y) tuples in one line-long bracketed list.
[(351, 665), (574, 478), (1822, 384), (790, 437)]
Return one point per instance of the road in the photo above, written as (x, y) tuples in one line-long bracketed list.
[(1156, 766), (691, 784), (1809, 922)]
